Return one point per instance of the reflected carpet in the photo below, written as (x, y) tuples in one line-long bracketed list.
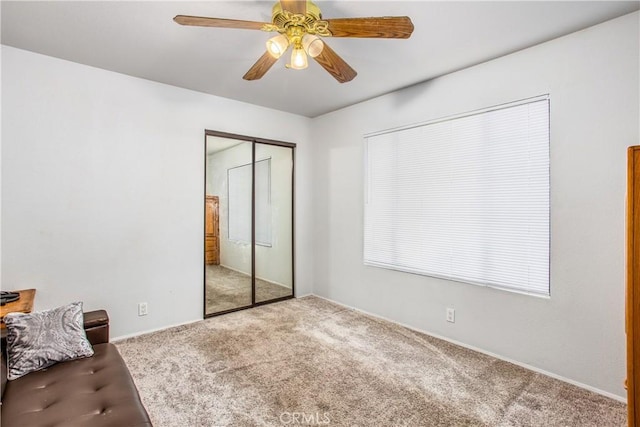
[(228, 289)]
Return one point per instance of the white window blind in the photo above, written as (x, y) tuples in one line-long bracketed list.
[(465, 198), (239, 179)]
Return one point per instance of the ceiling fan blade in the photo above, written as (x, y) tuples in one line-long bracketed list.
[(201, 21), (294, 6), (261, 67), (387, 27), (335, 65)]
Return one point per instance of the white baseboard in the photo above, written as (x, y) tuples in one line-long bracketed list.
[(488, 353), (308, 294), (149, 331)]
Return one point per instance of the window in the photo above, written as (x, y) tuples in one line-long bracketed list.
[(463, 198), (239, 179)]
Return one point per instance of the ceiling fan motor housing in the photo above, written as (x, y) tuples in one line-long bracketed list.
[(288, 23)]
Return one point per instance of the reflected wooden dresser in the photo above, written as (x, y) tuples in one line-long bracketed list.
[(212, 231)]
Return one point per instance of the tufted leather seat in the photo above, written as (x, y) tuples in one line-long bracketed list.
[(94, 391)]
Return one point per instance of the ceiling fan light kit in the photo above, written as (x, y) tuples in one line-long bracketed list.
[(313, 45), (298, 59), (278, 45), (300, 25)]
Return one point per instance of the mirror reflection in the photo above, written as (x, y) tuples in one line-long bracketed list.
[(274, 251), (227, 243), (248, 223)]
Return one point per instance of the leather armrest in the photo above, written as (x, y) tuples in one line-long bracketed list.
[(96, 325)]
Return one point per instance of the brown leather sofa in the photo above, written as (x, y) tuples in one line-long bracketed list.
[(94, 391)]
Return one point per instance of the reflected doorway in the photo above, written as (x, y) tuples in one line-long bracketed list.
[(248, 234)]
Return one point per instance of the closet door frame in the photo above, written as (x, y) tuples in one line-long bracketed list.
[(254, 141)]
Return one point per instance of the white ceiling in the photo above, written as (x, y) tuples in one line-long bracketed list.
[(140, 39)]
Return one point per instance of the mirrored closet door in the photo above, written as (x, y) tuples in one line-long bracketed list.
[(248, 230)]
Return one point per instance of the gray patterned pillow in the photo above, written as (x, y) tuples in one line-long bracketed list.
[(39, 340)]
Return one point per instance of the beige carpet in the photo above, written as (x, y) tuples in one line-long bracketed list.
[(311, 362), (228, 289)]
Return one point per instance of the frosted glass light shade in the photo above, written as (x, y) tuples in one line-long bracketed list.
[(277, 45), (313, 45), (298, 59)]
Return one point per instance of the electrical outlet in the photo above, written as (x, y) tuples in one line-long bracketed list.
[(142, 309), (451, 315)]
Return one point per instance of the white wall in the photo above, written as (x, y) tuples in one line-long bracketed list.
[(103, 183), (273, 263), (592, 79)]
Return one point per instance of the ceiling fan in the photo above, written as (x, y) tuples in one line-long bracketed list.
[(300, 25)]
